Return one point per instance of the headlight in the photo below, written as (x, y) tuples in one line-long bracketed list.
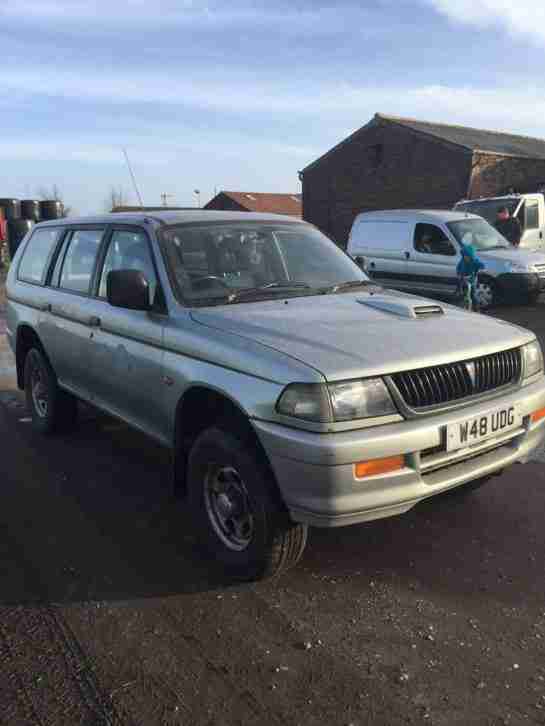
[(533, 359), (516, 267), (337, 402)]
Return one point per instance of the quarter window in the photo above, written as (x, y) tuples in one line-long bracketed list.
[(431, 240), (33, 265), (80, 258), (129, 251)]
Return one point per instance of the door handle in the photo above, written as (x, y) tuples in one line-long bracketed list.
[(46, 307), (407, 255), (94, 322), (541, 235)]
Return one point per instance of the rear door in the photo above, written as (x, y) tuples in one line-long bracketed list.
[(432, 260), (531, 218), (384, 245), (65, 327)]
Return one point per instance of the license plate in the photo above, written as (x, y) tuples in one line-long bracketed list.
[(474, 430)]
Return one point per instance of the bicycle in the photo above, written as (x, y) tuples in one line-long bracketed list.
[(466, 287)]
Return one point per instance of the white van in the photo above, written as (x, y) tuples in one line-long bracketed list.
[(418, 250), (529, 209)]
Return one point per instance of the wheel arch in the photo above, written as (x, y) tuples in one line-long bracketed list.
[(26, 339), (200, 407)]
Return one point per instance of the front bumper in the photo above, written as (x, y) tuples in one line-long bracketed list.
[(520, 283), (315, 472)]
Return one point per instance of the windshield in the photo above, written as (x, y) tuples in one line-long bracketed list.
[(477, 232), (215, 263), (488, 209)]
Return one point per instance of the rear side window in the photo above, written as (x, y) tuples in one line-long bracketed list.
[(79, 261), (384, 235), (38, 251), (532, 215)]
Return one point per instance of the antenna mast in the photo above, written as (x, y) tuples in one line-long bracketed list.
[(133, 177)]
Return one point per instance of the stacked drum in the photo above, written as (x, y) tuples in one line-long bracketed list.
[(21, 215)]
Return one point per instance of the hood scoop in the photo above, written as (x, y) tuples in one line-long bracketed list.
[(402, 308)]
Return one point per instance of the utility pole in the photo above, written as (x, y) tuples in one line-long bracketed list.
[(165, 197), (133, 177)]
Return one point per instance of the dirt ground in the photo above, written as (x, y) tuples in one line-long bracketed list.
[(109, 615)]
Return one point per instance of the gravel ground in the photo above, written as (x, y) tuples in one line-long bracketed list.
[(108, 614)]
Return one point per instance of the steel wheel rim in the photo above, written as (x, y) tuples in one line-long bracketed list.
[(40, 397), (484, 295), (228, 507)]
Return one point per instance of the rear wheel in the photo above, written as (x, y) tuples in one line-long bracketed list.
[(51, 408), (237, 510)]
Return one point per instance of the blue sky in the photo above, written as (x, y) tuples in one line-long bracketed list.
[(241, 95)]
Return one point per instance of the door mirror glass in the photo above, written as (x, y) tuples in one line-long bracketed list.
[(128, 289)]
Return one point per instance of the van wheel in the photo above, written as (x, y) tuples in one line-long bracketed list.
[(240, 521), (486, 294), (51, 408)]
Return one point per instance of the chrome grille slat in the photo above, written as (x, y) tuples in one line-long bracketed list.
[(437, 385)]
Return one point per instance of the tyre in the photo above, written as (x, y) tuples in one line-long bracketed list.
[(17, 229), (486, 293), (51, 209), (52, 409), (30, 209), (11, 208), (237, 510)]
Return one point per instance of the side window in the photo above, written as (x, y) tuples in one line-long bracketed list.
[(532, 215), (129, 251), (79, 260), (431, 240), (37, 254)]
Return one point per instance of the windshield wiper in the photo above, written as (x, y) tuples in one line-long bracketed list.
[(346, 285), (264, 289)]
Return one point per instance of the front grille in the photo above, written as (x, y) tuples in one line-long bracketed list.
[(454, 381)]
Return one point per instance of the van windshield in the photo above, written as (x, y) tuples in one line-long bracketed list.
[(479, 233), (488, 208), (223, 263)]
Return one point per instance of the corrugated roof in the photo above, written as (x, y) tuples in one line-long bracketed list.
[(465, 137), (290, 204), (495, 142)]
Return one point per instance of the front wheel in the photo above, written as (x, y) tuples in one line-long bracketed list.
[(236, 507), (486, 294)]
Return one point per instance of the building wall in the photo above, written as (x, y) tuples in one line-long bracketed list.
[(224, 203), (493, 175), (385, 167)]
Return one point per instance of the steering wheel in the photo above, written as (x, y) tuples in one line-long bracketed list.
[(206, 280)]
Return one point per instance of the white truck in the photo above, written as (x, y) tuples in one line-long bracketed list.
[(529, 209)]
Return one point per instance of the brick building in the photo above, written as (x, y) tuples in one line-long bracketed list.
[(257, 202), (393, 163)]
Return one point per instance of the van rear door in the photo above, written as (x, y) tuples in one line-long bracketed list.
[(384, 245), (532, 218)]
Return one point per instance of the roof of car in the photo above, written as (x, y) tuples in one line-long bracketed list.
[(172, 217), (436, 215)]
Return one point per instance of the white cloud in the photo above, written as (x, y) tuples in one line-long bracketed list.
[(525, 17)]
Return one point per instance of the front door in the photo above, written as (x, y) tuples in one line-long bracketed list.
[(128, 344), (432, 261)]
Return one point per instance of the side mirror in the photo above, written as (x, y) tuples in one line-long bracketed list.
[(360, 261), (128, 289)]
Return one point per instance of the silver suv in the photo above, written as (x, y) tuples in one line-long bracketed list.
[(290, 389)]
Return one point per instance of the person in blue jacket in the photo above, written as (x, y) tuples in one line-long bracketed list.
[(469, 266)]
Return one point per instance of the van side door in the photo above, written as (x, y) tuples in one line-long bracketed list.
[(384, 246), (433, 260)]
